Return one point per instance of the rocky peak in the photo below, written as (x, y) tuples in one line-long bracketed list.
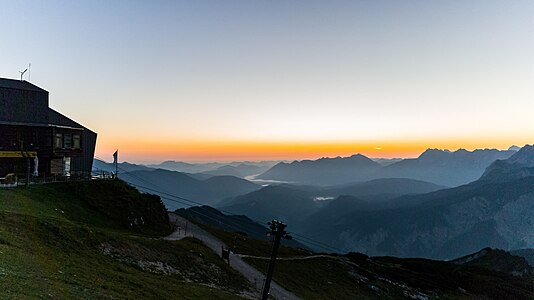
[(525, 156)]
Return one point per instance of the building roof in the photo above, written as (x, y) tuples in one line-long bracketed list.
[(40, 125), (20, 85)]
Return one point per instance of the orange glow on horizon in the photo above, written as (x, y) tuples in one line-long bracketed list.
[(207, 151)]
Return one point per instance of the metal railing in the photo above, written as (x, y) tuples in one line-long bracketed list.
[(13, 181)]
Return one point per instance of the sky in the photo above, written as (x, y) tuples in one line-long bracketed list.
[(260, 80)]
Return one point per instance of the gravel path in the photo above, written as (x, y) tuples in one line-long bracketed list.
[(185, 228), (289, 258)]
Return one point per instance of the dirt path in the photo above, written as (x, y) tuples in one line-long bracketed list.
[(289, 258), (185, 228)]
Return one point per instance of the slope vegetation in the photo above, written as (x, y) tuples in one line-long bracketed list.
[(99, 240)]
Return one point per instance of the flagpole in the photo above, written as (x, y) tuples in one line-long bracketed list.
[(117, 165), (116, 162)]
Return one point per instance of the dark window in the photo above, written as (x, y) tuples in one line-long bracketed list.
[(67, 141), (58, 141), (76, 141)]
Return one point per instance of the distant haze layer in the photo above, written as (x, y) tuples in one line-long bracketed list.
[(190, 151)]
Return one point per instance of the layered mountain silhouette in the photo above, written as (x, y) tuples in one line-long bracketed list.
[(385, 188), (238, 169), (182, 166), (495, 211), (99, 165), (518, 166), (441, 167), (445, 167), (206, 191), (273, 202), (241, 170), (324, 171), (294, 204)]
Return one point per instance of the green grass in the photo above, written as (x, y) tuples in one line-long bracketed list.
[(72, 241)]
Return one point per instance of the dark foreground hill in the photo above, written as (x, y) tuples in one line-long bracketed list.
[(362, 277), (358, 276), (100, 240), (498, 260)]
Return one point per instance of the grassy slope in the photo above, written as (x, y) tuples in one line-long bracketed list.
[(52, 242)]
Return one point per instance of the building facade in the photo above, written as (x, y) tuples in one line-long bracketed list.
[(37, 140)]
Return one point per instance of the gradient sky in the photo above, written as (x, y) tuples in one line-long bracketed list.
[(231, 80)]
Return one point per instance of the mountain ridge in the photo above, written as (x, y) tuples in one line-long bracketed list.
[(441, 167)]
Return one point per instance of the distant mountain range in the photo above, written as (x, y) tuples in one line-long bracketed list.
[(386, 161), (99, 165), (494, 211), (444, 167), (238, 169), (241, 170), (441, 167), (324, 171), (205, 191)]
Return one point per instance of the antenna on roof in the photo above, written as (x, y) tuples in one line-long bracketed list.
[(22, 73), (29, 72)]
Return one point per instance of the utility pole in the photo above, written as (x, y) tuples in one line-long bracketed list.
[(278, 230)]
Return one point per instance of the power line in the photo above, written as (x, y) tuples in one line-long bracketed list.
[(191, 203), (298, 237)]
